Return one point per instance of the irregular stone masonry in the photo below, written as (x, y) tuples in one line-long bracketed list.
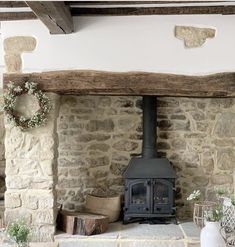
[(31, 173), (97, 135)]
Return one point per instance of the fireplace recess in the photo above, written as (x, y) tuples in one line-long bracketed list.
[(149, 180)]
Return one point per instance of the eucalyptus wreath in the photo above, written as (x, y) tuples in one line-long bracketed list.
[(40, 116)]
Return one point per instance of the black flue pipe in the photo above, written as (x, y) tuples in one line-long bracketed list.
[(149, 149)]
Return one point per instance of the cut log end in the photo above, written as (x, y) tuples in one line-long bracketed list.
[(82, 223)]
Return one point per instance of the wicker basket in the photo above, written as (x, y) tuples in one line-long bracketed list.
[(199, 212), (109, 206)]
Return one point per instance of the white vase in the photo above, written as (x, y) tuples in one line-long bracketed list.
[(210, 235)]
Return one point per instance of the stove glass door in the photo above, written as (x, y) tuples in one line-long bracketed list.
[(138, 196), (163, 196)]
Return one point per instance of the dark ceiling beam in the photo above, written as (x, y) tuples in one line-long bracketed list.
[(12, 4), (55, 15), (184, 10), (129, 83), (15, 16), (141, 2)]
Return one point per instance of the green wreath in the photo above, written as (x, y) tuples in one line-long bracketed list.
[(39, 118)]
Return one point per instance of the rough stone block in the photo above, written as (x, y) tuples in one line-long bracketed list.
[(125, 145), (12, 200), (106, 125), (226, 158), (41, 183), (19, 44), (14, 47), (30, 200), (194, 36), (11, 215), (222, 179), (44, 217), (11, 167), (43, 233), (47, 201), (98, 161), (48, 167), (13, 63), (16, 182), (225, 126)]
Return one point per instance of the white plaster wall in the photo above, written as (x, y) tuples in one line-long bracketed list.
[(129, 43)]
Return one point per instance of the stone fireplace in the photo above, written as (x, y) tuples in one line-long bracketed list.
[(87, 143), (90, 136)]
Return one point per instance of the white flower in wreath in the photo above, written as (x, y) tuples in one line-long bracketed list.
[(18, 89)]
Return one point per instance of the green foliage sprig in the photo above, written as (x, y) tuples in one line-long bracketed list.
[(214, 214), (39, 118), (233, 200), (19, 232)]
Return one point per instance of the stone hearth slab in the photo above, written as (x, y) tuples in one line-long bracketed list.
[(43, 244), (190, 231), (136, 235)]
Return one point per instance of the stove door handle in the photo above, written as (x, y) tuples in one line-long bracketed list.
[(148, 182)]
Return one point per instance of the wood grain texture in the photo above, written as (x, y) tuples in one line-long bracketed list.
[(12, 4), (55, 15), (82, 223), (14, 16), (142, 2), (129, 83), (124, 11)]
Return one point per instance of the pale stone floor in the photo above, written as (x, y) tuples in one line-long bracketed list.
[(136, 235)]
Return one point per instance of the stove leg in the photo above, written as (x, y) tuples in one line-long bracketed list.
[(126, 220), (174, 221)]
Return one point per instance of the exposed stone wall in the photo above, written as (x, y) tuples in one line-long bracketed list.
[(31, 172), (198, 137), (97, 134)]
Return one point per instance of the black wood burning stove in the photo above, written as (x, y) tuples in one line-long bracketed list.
[(149, 180)]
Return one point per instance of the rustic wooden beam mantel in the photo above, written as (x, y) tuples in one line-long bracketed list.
[(129, 83)]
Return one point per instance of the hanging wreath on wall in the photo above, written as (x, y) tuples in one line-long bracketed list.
[(40, 116)]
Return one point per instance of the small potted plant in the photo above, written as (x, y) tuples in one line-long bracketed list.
[(19, 232), (200, 206), (210, 234)]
